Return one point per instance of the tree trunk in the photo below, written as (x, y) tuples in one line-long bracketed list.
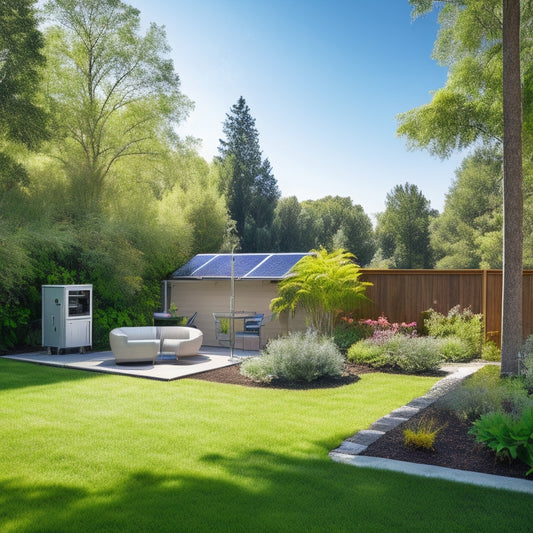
[(512, 191)]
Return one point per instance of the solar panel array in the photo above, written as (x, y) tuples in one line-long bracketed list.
[(249, 266)]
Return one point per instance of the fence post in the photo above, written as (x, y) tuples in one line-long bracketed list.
[(484, 280)]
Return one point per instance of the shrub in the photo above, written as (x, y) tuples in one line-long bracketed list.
[(460, 323), (418, 354), (423, 436), (369, 352), (454, 349), (491, 352), (14, 321), (348, 332), (507, 435), (297, 357), (527, 362), (484, 392), (401, 352)]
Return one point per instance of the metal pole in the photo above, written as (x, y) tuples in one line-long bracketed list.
[(232, 306)]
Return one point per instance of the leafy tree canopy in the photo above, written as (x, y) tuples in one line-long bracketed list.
[(468, 233), (403, 228), (468, 109), (337, 223), (113, 91), (22, 120)]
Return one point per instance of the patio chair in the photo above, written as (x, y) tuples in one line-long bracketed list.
[(190, 322), (221, 332), (253, 325)]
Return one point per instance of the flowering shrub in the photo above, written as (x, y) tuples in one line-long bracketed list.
[(350, 330), (382, 325)]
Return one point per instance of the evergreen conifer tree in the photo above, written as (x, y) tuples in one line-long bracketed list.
[(251, 189)]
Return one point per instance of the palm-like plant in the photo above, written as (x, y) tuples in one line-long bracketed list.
[(325, 285)]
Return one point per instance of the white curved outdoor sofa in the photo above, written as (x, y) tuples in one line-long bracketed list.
[(144, 343)]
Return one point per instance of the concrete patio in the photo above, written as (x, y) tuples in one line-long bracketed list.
[(166, 368)]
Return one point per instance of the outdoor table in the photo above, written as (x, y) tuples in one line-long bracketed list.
[(236, 315)]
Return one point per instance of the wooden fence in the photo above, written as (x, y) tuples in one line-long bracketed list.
[(402, 295)]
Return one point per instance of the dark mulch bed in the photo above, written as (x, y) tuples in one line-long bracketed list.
[(454, 447), (232, 375)]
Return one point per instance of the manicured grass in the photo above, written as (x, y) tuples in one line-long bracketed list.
[(88, 452)]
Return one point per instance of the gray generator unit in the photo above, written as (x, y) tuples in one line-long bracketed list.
[(67, 317)]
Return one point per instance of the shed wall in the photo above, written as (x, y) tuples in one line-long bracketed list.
[(213, 296)]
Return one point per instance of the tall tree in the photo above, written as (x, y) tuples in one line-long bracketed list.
[(512, 190), (403, 228), (250, 187), (23, 125), (470, 109), (22, 119), (114, 92)]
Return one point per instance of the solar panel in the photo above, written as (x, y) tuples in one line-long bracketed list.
[(250, 266), (246, 262), (191, 266), (276, 266), (220, 266)]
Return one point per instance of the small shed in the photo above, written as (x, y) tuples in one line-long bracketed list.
[(203, 286)]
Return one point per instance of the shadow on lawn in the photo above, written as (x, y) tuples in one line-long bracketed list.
[(262, 491), (15, 375)]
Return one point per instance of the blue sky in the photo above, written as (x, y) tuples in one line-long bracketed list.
[(324, 80)]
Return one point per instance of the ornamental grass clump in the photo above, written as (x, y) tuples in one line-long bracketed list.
[(423, 435), (486, 392), (296, 357)]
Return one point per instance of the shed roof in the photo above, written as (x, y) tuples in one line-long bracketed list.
[(245, 266)]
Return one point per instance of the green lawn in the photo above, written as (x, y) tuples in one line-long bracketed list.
[(89, 452)]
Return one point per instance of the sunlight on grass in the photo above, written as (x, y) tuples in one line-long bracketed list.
[(90, 452)]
